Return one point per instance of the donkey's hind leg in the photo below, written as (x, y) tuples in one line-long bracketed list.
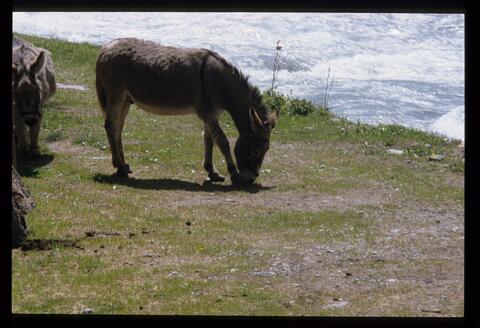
[(115, 117), (123, 116), (207, 161)]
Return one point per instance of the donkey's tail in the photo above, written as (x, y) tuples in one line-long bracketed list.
[(102, 98)]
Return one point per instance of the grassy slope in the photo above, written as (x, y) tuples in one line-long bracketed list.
[(186, 249)]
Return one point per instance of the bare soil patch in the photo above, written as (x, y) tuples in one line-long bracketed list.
[(289, 200), (65, 146)]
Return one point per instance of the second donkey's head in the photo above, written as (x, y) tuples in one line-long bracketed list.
[(27, 88)]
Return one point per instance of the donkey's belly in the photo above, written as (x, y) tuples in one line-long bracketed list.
[(165, 110)]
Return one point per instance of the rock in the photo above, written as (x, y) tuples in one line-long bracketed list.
[(338, 304), (22, 203), (395, 151), (436, 157), (432, 310), (87, 311)]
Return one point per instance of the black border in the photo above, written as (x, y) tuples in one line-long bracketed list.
[(472, 230), (432, 6)]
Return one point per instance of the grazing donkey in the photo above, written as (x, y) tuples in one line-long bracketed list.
[(174, 81), (33, 83)]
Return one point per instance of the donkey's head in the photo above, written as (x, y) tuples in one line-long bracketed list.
[(27, 89), (250, 150)]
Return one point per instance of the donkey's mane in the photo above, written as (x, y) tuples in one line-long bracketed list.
[(245, 85)]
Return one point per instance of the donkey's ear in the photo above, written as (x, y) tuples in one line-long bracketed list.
[(273, 117), (38, 64), (255, 119)]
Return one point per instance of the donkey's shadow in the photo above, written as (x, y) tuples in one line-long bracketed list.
[(28, 166), (175, 184)]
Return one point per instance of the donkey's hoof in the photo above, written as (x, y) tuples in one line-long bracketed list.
[(124, 170), (34, 154), (121, 173), (237, 180), (215, 177)]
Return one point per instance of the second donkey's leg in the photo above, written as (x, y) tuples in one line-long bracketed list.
[(115, 117)]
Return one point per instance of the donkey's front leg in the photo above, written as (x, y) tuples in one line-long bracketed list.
[(207, 160), (219, 137), (22, 134), (34, 132)]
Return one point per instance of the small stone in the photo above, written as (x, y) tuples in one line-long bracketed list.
[(395, 151), (432, 310), (436, 157), (87, 311), (338, 303)]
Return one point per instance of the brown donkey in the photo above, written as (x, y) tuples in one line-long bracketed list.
[(175, 81), (33, 83)]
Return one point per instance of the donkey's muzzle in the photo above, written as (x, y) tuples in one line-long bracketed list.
[(248, 177), (31, 120)]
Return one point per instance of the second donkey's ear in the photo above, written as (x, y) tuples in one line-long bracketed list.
[(38, 64)]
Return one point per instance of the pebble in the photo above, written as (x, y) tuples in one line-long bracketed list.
[(339, 304), (395, 151), (87, 311), (436, 157)]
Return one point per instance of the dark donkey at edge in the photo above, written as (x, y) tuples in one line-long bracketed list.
[(174, 81), (33, 83)]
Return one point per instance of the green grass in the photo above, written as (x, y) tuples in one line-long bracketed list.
[(180, 248)]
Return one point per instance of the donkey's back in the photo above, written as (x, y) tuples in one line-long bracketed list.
[(160, 79)]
